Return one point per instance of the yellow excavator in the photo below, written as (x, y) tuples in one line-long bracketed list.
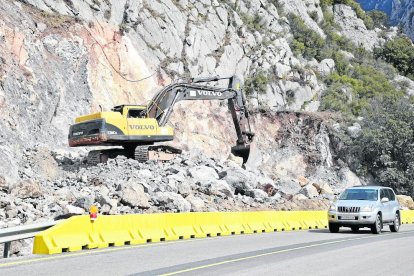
[(139, 129)]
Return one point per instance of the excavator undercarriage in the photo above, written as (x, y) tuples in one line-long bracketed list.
[(140, 153)]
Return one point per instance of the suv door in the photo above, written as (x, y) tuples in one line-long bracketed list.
[(385, 207), (394, 205)]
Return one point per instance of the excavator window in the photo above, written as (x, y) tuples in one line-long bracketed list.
[(136, 113)]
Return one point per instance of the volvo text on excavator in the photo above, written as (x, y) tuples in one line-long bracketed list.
[(139, 129)]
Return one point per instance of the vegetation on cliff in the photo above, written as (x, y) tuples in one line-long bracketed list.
[(364, 90)]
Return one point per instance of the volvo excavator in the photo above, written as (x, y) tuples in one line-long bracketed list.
[(139, 130)]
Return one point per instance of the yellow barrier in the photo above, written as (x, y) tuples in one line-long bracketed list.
[(407, 217), (80, 232)]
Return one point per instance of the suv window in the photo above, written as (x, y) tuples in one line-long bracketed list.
[(391, 195), (383, 193), (359, 194)]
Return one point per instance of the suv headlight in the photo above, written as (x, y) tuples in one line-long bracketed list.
[(366, 209), (332, 207)]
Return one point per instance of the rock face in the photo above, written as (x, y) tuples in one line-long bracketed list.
[(354, 28), (399, 11), (4, 186), (402, 13)]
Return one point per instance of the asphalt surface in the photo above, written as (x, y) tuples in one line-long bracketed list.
[(314, 252)]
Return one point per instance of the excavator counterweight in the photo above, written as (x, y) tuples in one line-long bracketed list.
[(139, 129)]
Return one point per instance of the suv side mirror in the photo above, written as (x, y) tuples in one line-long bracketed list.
[(384, 200)]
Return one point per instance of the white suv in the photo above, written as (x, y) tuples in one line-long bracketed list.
[(365, 206)]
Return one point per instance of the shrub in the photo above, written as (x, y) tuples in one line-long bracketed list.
[(306, 41), (379, 18), (253, 23), (386, 146), (257, 83), (400, 53), (364, 83), (279, 6)]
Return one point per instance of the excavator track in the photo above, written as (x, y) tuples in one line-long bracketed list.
[(156, 153), (101, 156), (94, 157), (141, 153)]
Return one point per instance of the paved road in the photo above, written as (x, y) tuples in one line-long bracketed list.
[(314, 252)]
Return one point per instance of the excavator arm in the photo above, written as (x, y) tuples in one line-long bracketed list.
[(161, 106)]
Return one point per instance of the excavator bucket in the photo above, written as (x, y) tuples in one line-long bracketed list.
[(241, 151), (250, 154)]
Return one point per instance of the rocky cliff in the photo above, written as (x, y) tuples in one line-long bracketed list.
[(382, 5), (401, 12)]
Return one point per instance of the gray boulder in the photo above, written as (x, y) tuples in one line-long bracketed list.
[(27, 189), (203, 174), (85, 202), (260, 195), (184, 189), (326, 67), (133, 195), (70, 209), (172, 201), (4, 186), (221, 187), (355, 130), (288, 186), (197, 204), (238, 179), (309, 191)]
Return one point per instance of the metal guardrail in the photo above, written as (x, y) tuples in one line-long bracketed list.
[(7, 235)]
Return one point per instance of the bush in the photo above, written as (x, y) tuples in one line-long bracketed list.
[(363, 83), (253, 23), (258, 83), (386, 146), (306, 41), (400, 53), (379, 18)]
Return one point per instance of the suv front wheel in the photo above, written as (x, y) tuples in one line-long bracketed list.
[(396, 224), (377, 226), (333, 228)]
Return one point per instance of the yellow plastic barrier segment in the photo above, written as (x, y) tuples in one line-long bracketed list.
[(79, 232), (407, 217)]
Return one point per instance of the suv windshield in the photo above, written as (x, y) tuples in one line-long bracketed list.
[(359, 194)]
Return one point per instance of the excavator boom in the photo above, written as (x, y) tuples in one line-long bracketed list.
[(162, 105)]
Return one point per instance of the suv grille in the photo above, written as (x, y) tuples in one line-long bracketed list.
[(348, 209)]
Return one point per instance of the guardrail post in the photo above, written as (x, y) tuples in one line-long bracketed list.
[(6, 252)]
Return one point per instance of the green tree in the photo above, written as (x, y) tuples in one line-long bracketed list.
[(359, 85), (379, 18), (400, 53), (257, 83), (306, 41), (386, 146)]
